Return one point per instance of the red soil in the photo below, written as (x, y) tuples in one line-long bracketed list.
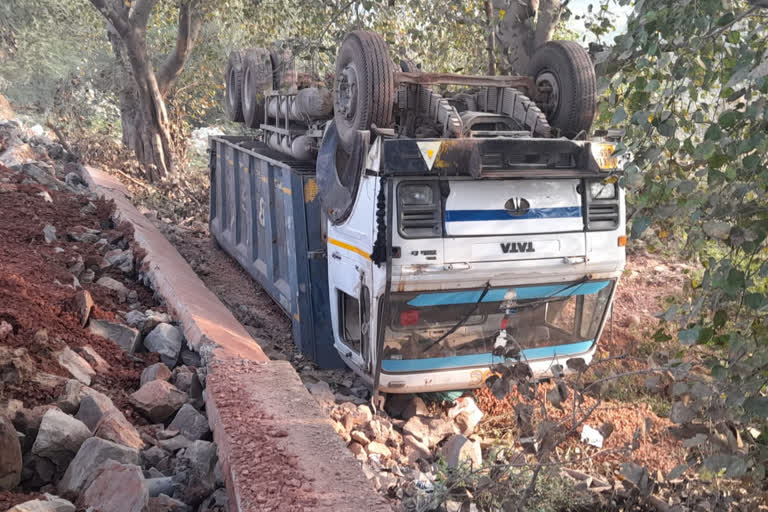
[(36, 307)]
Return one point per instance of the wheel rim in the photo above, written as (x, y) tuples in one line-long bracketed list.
[(346, 92), (232, 81), (547, 82)]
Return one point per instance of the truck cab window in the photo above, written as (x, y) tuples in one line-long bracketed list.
[(349, 318)]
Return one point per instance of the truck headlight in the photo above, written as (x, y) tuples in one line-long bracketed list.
[(416, 195), (602, 190), (419, 206)]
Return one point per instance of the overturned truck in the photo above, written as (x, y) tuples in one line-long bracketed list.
[(421, 238)]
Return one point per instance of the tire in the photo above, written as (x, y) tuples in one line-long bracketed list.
[(234, 90), (566, 66), (284, 70), (257, 80), (363, 59)]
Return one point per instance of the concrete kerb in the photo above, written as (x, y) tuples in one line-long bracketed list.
[(337, 482)]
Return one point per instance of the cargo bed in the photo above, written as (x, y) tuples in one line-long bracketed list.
[(265, 213)]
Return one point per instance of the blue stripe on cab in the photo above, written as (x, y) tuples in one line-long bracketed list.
[(533, 213), (446, 363)]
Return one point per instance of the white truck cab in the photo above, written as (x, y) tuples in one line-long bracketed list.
[(509, 260)]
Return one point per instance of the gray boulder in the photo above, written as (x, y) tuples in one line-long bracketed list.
[(10, 455), (94, 406), (157, 371), (126, 337), (165, 339), (92, 454), (60, 437), (76, 365), (117, 487), (190, 423), (158, 400)]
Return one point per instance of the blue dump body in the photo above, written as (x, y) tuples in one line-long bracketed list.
[(265, 213)]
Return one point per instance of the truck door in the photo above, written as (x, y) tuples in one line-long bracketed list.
[(350, 281)]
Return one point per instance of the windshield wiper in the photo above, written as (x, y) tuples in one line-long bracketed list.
[(544, 300), (463, 320)]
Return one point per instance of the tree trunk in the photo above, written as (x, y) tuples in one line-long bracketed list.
[(142, 108), (491, 38)]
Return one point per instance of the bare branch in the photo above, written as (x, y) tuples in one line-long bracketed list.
[(190, 22)]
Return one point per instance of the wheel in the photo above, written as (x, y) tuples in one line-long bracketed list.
[(364, 90), (283, 64), (257, 80), (234, 92), (564, 69)]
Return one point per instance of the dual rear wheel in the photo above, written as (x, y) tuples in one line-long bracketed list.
[(364, 85)]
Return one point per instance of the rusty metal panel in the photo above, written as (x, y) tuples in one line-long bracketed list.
[(265, 213)]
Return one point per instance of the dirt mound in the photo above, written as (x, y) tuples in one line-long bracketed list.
[(36, 288)]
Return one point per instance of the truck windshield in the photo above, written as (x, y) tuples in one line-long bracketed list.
[(542, 320)]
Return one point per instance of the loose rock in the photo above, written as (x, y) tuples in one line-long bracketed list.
[(115, 286), (49, 234), (117, 487), (158, 400), (47, 504), (82, 304), (93, 407), (60, 437), (114, 427), (190, 423), (458, 449), (92, 454), (126, 337), (165, 503), (97, 362), (76, 365), (10, 455), (165, 339), (157, 371)]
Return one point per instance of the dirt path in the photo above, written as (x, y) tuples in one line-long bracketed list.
[(251, 305)]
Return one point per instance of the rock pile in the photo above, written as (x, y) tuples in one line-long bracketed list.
[(101, 402), (398, 448)]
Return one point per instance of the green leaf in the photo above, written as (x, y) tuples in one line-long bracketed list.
[(713, 133), (720, 318), (756, 406), (689, 336), (667, 128), (618, 116), (754, 300), (734, 36), (704, 150), (729, 118), (639, 225)]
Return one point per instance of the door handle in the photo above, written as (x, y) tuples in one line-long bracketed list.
[(336, 255)]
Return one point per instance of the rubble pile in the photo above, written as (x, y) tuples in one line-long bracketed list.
[(399, 447), (101, 400)]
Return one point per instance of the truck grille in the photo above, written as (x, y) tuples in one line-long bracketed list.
[(602, 216), (420, 222)]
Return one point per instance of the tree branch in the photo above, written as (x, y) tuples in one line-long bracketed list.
[(140, 11), (190, 22), (118, 21)]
